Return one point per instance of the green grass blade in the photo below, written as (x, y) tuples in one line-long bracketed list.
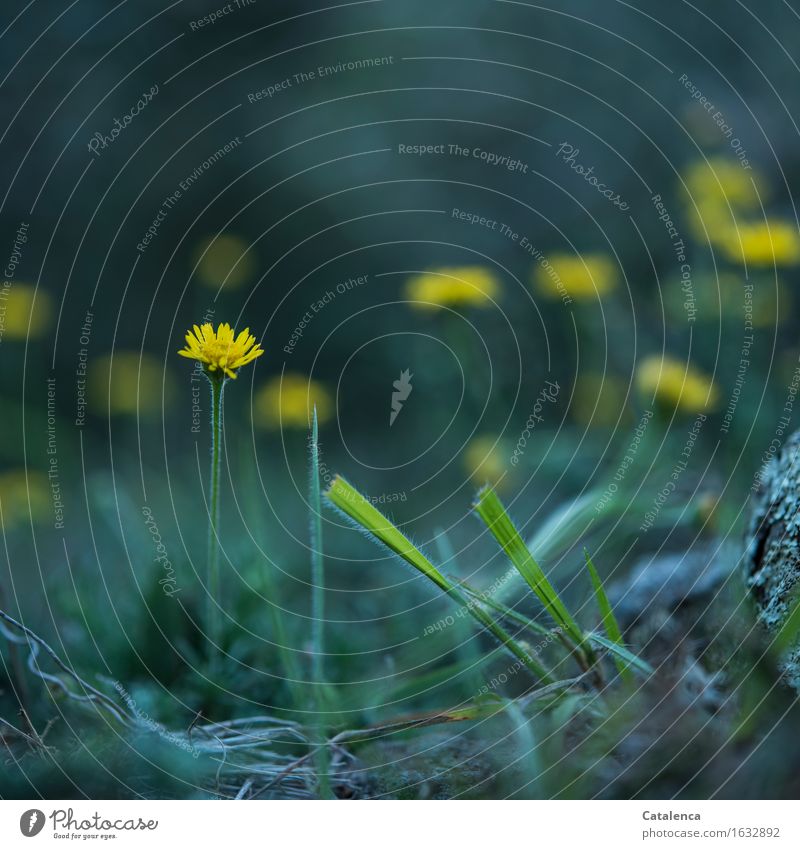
[(317, 563), (622, 653), (491, 510), (352, 503), (606, 613), (322, 757), (465, 647), (507, 612)]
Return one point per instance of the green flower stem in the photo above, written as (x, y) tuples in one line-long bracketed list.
[(217, 380), (320, 698)]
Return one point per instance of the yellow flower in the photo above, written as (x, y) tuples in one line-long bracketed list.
[(127, 383), (764, 243), (24, 312), (580, 277), (485, 461), (723, 182), (290, 400), (676, 384), (469, 285), (221, 351), (224, 260), (23, 497), (716, 192)]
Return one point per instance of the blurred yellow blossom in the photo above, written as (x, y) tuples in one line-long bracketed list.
[(762, 243), (485, 461), (124, 384), (676, 384), (24, 312), (23, 497), (225, 259), (599, 399), (707, 509), (289, 401), (717, 192), (579, 277), (723, 181), (468, 285)]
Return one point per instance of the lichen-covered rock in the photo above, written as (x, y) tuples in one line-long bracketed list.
[(772, 558)]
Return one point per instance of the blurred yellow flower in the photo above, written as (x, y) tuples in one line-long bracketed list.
[(599, 399), (580, 277), (707, 509), (762, 243), (23, 499), (289, 401), (225, 259), (716, 191), (485, 461), (723, 182), (123, 384), (676, 384), (24, 312), (468, 285), (221, 350)]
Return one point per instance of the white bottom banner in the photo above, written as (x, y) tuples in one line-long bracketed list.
[(394, 824)]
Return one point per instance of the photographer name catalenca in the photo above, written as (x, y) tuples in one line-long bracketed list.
[(669, 815), (65, 820)]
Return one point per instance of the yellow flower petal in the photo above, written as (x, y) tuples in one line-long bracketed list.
[(220, 350)]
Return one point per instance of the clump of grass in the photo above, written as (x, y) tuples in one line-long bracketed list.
[(581, 644), (491, 510), (354, 505)]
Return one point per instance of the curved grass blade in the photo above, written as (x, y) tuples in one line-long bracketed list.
[(466, 647), (352, 503), (606, 614), (491, 510), (622, 653), (506, 612)]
